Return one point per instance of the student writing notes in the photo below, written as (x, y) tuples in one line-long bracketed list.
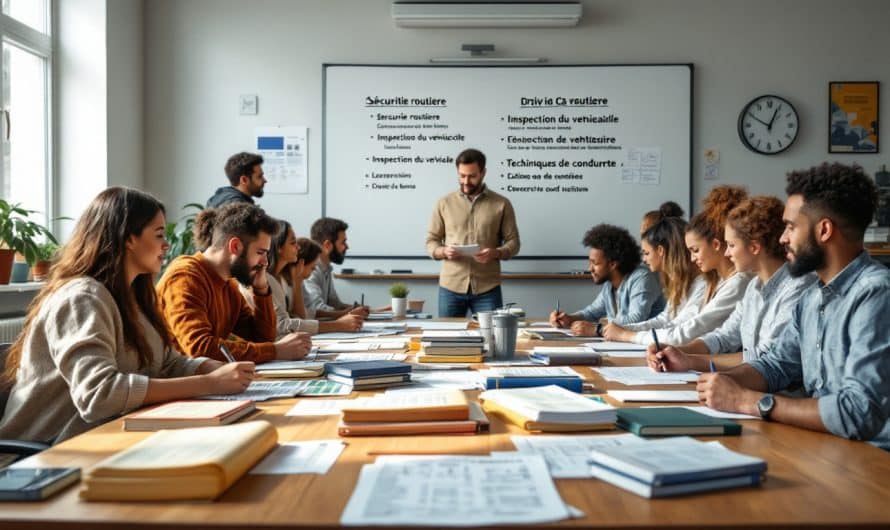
[(94, 345)]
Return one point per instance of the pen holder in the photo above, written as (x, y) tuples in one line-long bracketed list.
[(505, 327)]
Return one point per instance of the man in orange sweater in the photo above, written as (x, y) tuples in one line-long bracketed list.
[(199, 296)]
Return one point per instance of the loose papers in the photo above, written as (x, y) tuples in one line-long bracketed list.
[(643, 375), (567, 456), (316, 456), (454, 491)]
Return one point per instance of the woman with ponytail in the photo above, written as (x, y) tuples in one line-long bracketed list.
[(94, 345), (753, 230), (724, 287)]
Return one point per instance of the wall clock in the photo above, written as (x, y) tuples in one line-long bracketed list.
[(768, 125)]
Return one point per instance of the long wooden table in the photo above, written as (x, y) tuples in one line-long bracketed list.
[(813, 480)]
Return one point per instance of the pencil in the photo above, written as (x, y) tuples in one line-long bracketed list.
[(225, 352)]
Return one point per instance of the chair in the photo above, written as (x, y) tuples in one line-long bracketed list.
[(18, 448)]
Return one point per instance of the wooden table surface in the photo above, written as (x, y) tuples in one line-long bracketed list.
[(813, 480)]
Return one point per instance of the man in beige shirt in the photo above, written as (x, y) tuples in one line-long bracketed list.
[(473, 215)]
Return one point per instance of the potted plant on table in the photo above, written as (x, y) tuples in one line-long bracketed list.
[(19, 234), (45, 254), (399, 293)]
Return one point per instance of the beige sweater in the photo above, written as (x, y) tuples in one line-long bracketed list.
[(76, 371)]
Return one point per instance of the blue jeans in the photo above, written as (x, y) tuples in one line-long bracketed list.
[(453, 304)]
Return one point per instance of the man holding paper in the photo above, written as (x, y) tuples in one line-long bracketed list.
[(472, 230)]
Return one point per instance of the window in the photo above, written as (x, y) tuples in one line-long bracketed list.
[(25, 59)]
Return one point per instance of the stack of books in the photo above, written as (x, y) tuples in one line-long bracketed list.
[(522, 377), (565, 356), (405, 413), (548, 409), (675, 466), (182, 464), (363, 375), (459, 346)]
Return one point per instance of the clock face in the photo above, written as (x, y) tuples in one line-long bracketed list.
[(768, 125)]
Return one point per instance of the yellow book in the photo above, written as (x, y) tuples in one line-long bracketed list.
[(496, 409), (449, 358), (435, 405), (183, 464)]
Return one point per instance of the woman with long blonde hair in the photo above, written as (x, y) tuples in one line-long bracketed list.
[(94, 345)]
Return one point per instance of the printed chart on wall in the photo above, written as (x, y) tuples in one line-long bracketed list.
[(284, 158), (570, 146)]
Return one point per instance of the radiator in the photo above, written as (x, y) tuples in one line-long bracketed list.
[(10, 328)]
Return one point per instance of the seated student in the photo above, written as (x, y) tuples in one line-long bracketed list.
[(664, 251), (94, 345), (199, 296), (245, 173), (837, 343), (318, 290), (753, 230), (667, 209), (284, 256), (724, 285), (630, 293)]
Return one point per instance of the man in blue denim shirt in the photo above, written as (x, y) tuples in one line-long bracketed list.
[(630, 293), (837, 344)]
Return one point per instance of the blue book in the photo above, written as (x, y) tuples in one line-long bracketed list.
[(575, 384), (650, 491), (367, 368)]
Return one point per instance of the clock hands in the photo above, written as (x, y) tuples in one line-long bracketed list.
[(761, 121), (769, 127)]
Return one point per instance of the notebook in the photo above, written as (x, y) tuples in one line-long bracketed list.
[(182, 414), (409, 406), (548, 409), (183, 464), (476, 422), (670, 421), (368, 368)]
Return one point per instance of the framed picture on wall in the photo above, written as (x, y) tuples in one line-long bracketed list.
[(853, 117)]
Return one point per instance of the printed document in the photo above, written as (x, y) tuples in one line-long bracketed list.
[(291, 458), (567, 456)]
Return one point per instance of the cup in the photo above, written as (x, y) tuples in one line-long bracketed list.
[(484, 318), (505, 329)]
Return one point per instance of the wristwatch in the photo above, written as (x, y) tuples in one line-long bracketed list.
[(765, 405)]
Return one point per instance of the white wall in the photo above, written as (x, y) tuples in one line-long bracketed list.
[(124, 90), (201, 54)]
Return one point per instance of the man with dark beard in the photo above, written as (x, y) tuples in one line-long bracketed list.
[(245, 173), (319, 295), (837, 344), (472, 215), (199, 295)]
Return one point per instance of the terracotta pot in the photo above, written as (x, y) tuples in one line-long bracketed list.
[(6, 257), (40, 270)]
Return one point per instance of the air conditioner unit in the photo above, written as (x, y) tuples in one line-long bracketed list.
[(486, 14)]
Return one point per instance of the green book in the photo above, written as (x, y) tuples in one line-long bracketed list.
[(670, 421)]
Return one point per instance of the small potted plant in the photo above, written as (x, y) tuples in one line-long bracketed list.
[(179, 234), (19, 234), (399, 293), (45, 254)]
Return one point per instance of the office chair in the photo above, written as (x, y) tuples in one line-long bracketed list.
[(18, 448)]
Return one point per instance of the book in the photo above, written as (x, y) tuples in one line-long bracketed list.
[(680, 461), (35, 484), (371, 381), (670, 421), (575, 384), (290, 369), (449, 358), (367, 368), (430, 405), (194, 413), (183, 464), (649, 491), (461, 336), (549, 409), (451, 348), (566, 356), (477, 422)]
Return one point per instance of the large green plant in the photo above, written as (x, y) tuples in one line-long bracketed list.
[(179, 234), (20, 233)]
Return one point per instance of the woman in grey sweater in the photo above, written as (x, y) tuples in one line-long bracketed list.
[(94, 345)]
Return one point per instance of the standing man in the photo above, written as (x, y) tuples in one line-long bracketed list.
[(837, 342), (245, 172), (472, 215)]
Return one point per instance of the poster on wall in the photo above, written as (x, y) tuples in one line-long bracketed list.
[(853, 117), (284, 158)]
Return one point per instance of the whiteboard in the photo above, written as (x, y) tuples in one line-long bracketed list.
[(570, 146)]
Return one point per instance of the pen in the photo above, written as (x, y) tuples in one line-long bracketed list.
[(711, 365), (226, 353), (363, 299), (557, 307), (658, 349)]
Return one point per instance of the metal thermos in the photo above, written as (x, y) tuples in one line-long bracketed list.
[(506, 328)]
